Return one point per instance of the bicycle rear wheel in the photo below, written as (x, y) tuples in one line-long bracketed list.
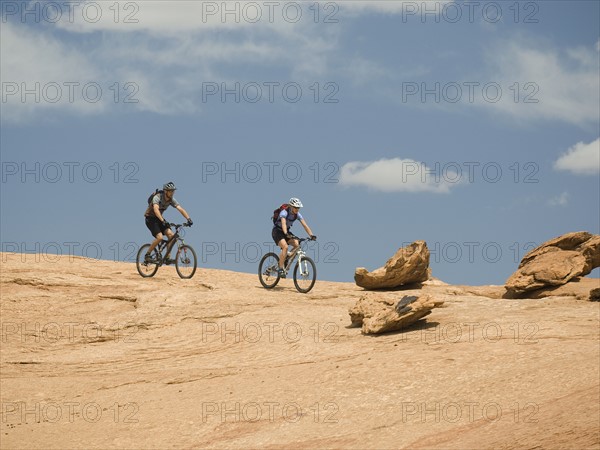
[(305, 275), (147, 269), (268, 270), (185, 261)]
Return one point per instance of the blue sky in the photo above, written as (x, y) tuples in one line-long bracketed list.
[(471, 125)]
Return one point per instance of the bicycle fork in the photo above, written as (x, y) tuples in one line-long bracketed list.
[(184, 258), (303, 265)]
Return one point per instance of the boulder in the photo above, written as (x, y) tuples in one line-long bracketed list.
[(555, 263), (578, 288), (380, 313), (409, 265)]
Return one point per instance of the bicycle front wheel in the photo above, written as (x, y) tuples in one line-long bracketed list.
[(147, 269), (185, 261), (305, 275), (268, 270)]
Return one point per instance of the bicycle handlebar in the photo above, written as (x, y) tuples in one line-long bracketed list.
[(176, 225), (300, 240)]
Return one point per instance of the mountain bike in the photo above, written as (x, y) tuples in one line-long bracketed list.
[(185, 259), (305, 271)]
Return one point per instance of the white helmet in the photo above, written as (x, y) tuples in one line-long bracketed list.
[(295, 202)]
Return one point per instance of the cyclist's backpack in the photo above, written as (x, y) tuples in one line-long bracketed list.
[(153, 194), (277, 211)]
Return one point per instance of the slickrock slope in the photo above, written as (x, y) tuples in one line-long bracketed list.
[(94, 356)]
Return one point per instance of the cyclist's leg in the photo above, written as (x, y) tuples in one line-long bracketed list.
[(279, 239), (294, 243), (155, 242), (283, 245), (170, 245), (156, 229), (284, 250)]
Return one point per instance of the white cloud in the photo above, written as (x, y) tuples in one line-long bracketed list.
[(396, 175), (175, 16), (167, 49), (551, 85), (409, 8), (34, 70), (165, 17), (559, 200), (168, 70), (191, 33), (581, 159), (363, 71)]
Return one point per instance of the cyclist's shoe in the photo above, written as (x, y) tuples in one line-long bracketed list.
[(148, 258), (169, 261), (282, 273)]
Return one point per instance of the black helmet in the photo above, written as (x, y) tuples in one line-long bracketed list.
[(170, 186)]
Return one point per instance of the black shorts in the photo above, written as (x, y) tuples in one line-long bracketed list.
[(155, 226), (277, 235)]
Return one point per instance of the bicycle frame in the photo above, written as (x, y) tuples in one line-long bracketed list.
[(297, 253), (168, 244)]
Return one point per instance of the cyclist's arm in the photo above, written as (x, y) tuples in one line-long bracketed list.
[(284, 225), (306, 227), (183, 212), (157, 213)]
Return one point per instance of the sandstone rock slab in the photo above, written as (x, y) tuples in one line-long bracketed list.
[(555, 263), (409, 265), (379, 313)]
